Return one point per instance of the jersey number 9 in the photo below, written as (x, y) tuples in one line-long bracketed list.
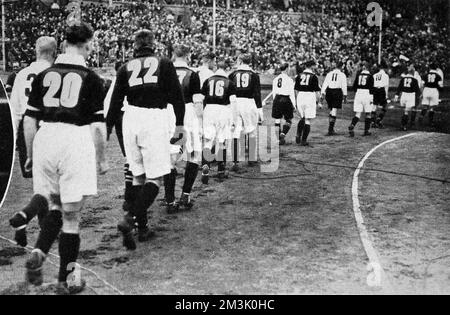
[(70, 87)]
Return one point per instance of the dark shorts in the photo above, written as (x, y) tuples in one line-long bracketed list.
[(379, 97), (334, 98), (282, 108)]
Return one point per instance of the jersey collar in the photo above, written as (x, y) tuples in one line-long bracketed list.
[(244, 67), (42, 62), (71, 59), (308, 71), (365, 72), (221, 72), (180, 64)]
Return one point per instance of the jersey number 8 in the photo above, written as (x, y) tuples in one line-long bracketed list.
[(135, 67), (70, 87)]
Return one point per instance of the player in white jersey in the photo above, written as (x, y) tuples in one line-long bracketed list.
[(206, 70), (334, 89), (433, 84), (45, 56), (381, 92), (283, 94)]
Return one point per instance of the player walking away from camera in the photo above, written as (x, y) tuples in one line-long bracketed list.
[(220, 95), (380, 95), (11, 78), (334, 89), (283, 102), (190, 84), (363, 99), (206, 70), (68, 99), (308, 95), (38, 206), (433, 84), (409, 89), (248, 109), (149, 83)]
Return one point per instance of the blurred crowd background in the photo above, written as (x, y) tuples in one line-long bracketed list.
[(272, 31)]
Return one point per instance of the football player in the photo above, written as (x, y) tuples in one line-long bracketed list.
[(283, 102), (409, 89), (380, 96), (363, 86), (433, 84), (334, 89), (220, 95), (45, 56), (206, 70), (308, 94), (11, 78), (248, 111), (68, 99), (149, 83), (190, 83)]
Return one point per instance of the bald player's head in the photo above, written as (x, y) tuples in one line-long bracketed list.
[(46, 48)]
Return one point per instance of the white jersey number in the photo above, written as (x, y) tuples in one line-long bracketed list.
[(135, 67), (243, 80), (216, 89), (70, 87)]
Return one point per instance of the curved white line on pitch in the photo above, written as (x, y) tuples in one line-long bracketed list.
[(377, 276), (106, 283)]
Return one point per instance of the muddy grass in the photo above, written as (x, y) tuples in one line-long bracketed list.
[(269, 234)]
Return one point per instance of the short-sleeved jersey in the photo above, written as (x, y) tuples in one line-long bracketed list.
[(433, 80), (190, 83), (22, 87), (148, 82), (408, 84), (335, 80), (364, 81), (247, 85), (307, 81), (67, 92), (218, 90)]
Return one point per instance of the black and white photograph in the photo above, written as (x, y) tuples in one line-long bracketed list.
[(225, 153)]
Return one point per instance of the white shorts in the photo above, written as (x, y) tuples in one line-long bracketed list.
[(307, 104), (430, 97), (192, 126), (147, 141), (217, 122), (363, 102), (408, 100), (245, 116), (64, 162)]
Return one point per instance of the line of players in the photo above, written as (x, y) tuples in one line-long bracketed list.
[(371, 94), (158, 108)]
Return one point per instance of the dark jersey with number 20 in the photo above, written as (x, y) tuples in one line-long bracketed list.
[(218, 90), (67, 93)]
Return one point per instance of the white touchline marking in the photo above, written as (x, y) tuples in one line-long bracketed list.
[(375, 264), (106, 283)]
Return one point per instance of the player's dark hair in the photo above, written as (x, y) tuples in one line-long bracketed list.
[(181, 51), (79, 33), (284, 66), (209, 56), (339, 64), (310, 63), (143, 39), (246, 58), (221, 63), (433, 66)]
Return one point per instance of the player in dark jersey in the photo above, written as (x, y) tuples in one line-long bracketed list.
[(433, 84), (408, 89), (220, 96), (68, 99), (308, 94), (190, 84), (364, 88), (149, 83), (248, 110)]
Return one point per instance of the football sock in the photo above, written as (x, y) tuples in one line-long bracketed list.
[(374, 117), (128, 177), (300, 127), (332, 123), (286, 128), (367, 123), (51, 226), (69, 247), (169, 186), (235, 150), (278, 126), (424, 112), (145, 198), (38, 205), (355, 121), (404, 120), (431, 116), (190, 175), (306, 131), (252, 149), (413, 116), (222, 160)]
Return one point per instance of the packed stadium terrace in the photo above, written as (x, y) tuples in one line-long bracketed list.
[(327, 30)]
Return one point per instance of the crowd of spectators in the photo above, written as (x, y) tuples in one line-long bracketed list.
[(331, 30)]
